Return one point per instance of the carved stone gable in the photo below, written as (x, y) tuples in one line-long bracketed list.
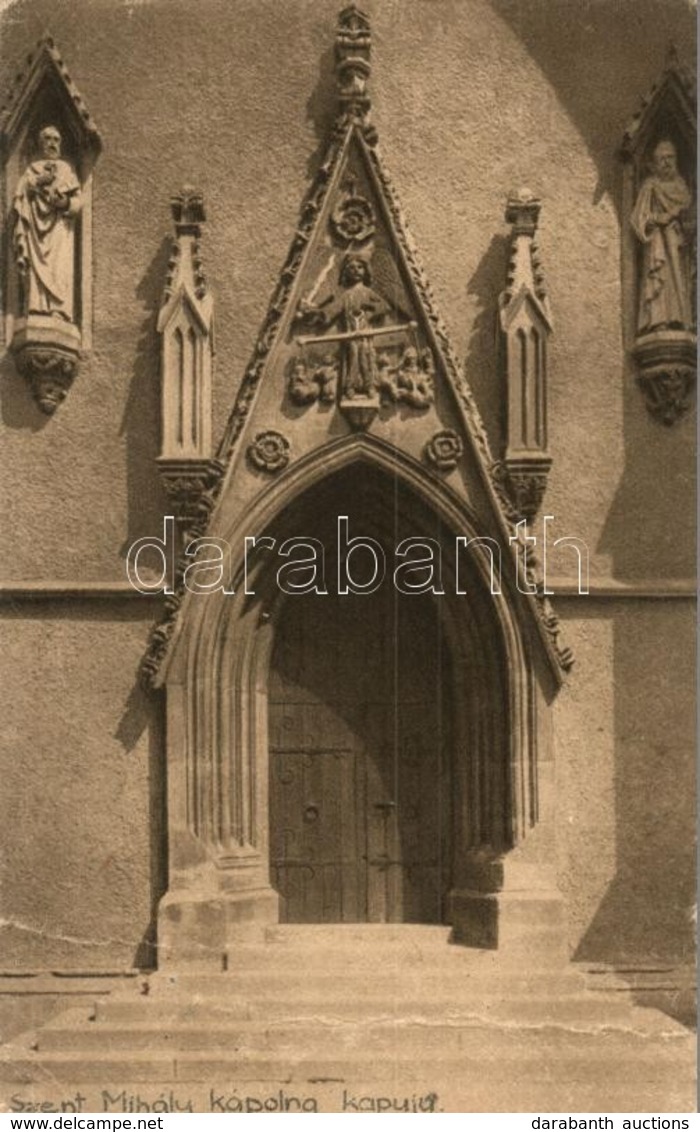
[(352, 343)]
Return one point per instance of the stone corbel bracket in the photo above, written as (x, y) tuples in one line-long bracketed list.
[(662, 340), (525, 324), (666, 362), (189, 488), (185, 325), (48, 357)]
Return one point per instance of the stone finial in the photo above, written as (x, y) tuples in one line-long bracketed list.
[(524, 266), (352, 66), (523, 211), (187, 208)]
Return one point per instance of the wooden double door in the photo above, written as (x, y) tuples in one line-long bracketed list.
[(359, 747)]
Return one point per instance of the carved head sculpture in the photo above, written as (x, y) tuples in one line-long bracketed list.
[(410, 358), (50, 143), (664, 160), (355, 269)]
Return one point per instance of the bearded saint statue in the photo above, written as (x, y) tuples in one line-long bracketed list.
[(662, 219)]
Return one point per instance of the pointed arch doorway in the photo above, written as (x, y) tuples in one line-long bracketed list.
[(386, 719)]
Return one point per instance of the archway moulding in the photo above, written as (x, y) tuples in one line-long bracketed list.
[(218, 759)]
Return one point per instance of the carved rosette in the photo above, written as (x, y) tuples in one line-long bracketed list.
[(353, 219), (444, 450), (269, 452), (50, 372)]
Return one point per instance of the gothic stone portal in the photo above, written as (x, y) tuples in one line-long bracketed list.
[(360, 805)]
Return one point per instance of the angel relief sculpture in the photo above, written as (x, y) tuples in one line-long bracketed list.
[(375, 359)]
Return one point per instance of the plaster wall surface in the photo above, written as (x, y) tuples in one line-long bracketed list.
[(470, 100), (626, 758), (82, 790)]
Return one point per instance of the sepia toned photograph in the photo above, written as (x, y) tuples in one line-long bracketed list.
[(347, 396)]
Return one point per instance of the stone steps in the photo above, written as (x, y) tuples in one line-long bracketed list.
[(375, 1004), (534, 929), (581, 1013), (318, 1037), (363, 986), (363, 958), (534, 914), (577, 1012), (577, 1066)]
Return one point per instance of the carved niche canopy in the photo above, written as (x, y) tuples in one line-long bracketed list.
[(49, 146), (526, 324), (659, 242)]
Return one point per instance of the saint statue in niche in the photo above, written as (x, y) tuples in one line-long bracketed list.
[(356, 310), (46, 203), (662, 219)]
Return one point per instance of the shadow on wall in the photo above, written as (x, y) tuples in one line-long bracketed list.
[(645, 917), (480, 369), (649, 536), (649, 532), (321, 109), (579, 53), (146, 504)]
